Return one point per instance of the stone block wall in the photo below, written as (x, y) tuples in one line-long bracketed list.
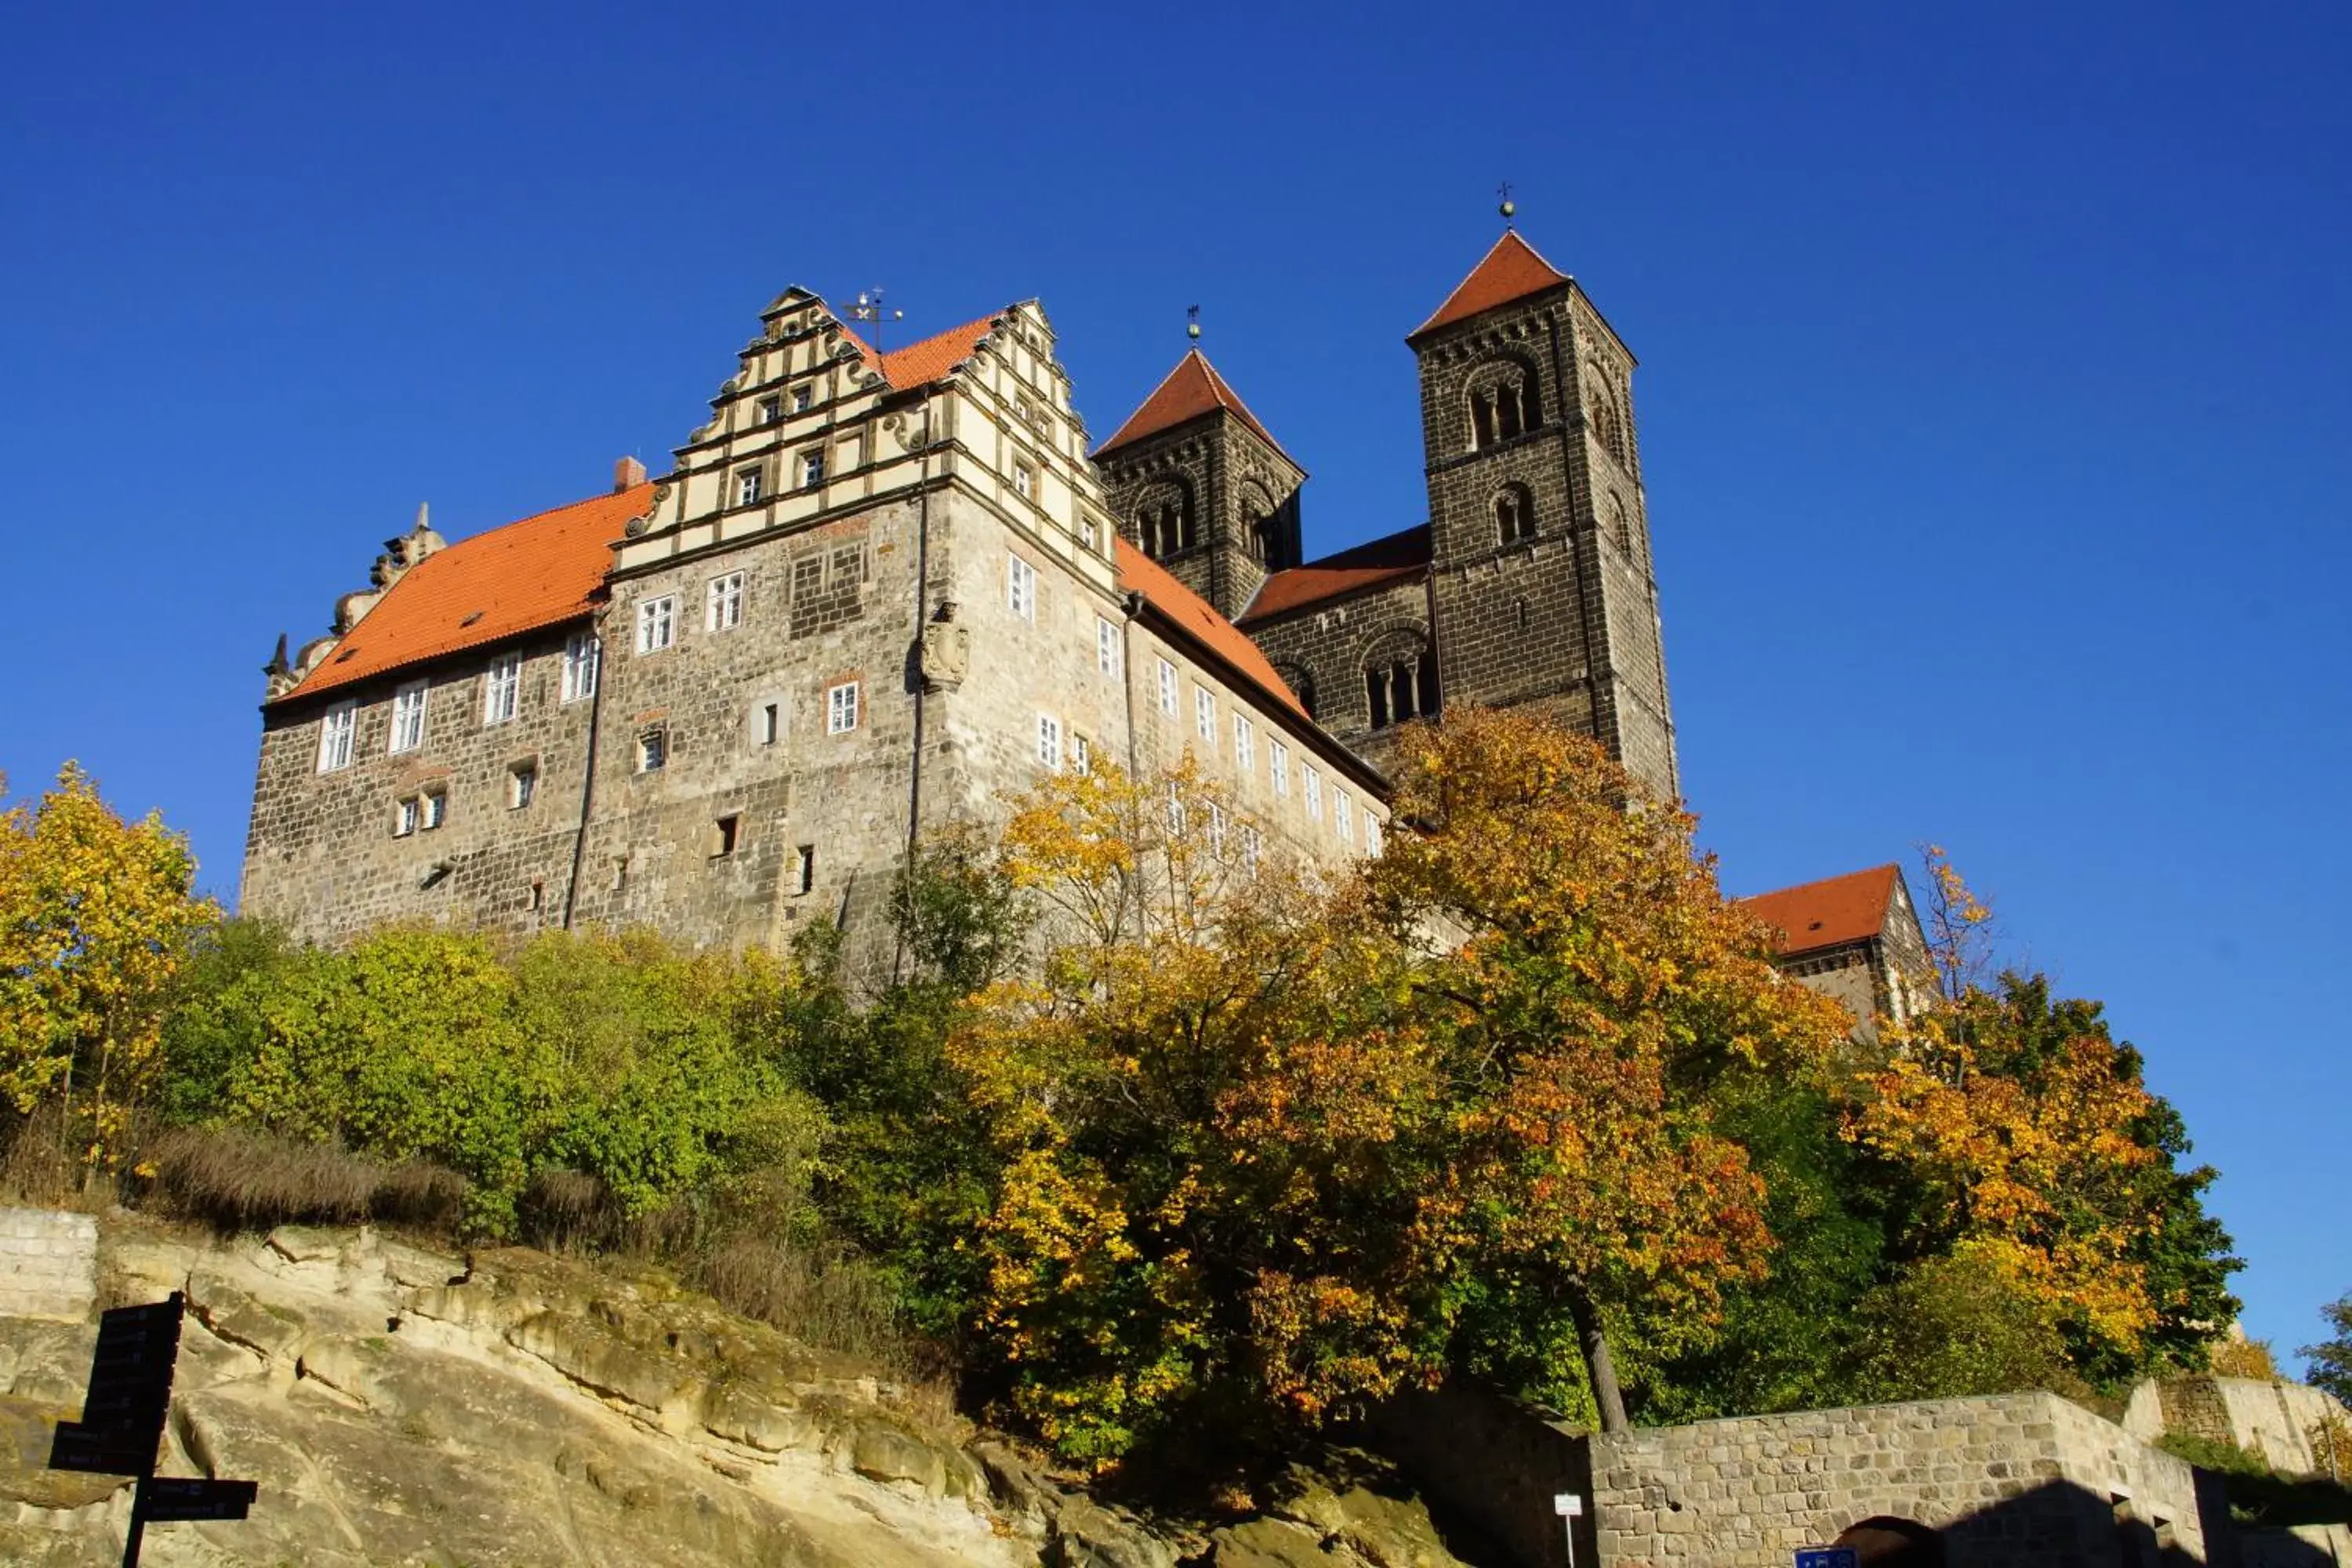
[(49, 1264), (2273, 1419)]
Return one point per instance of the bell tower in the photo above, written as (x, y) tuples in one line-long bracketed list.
[(1541, 585), (1200, 486)]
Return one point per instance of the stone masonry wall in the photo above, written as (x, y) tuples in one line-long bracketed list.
[(2273, 1419), (2008, 1479), (49, 1264)]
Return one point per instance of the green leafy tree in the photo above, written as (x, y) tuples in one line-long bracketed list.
[(2331, 1359)]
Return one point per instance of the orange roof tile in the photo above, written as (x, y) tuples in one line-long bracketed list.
[(1386, 560), (513, 579), (920, 363), (1189, 391), (1141, 574), (1511, 270), (1830, 912)]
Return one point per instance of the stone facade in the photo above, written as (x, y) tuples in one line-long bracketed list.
[(875, 595), (49, 1264)]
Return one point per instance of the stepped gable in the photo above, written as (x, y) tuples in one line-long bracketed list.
[(1389, 559), (1511, 270), (1193, 616), (1829, 913), (1192, 391), (515, 578), (920, 363)]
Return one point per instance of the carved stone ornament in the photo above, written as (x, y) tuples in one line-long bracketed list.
[(946, 655)]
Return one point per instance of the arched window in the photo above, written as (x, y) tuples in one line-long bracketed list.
[(1621, 532), (1400, 683), (1301, 684), (1163, 521), (1607, 423), (1261, 528), (1504, 403), (1515, 514)]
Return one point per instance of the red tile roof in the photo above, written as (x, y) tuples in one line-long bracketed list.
[(1142, 574), (920, 363), (1512, 270), (1831, 912), (1192, 390), (517, 578), (1389, 559)]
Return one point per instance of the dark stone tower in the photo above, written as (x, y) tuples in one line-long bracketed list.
[(1540, 582), (1198, 484)]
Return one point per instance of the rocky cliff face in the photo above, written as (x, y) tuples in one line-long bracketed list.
[(399, 1406)]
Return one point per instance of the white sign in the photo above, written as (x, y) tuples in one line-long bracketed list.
[(1568, 1505)]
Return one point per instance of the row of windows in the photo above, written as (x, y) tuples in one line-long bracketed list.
[(751, 479), (1244, 751), (722, 611), (501, 700), (428, 808)]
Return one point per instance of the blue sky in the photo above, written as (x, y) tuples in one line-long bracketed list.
[(1993, 399)]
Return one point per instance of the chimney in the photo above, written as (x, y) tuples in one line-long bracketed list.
[(627, 474)]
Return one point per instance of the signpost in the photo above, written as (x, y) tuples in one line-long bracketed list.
[(121, 1424), (1571, 1508)]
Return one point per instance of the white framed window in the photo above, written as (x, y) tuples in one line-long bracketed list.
[(1049, 739), (1106, 647), (1311, 783), (748, 488), (584, 656), (1277, 762), (336, 729), (812, 468), (501, 687), (437, 808), (1204, 716), (723, 608), (1216, 829), (1090, 530), (771, 408), (1025, 480), (1253, 848), (1372, 833), (1168, 688), (408, 716), (802, 395), (1020, 587), (1175, 809), (405, 818), (522, 786), (841, 708), (653, 749), (1244, 743), (657, 623), (1082, 753), (1343, 819)]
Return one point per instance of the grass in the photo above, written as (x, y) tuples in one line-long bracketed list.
[(239, 1180)]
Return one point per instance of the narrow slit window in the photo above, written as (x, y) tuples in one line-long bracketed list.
[(723, 836), (805, 869), (770, 722)]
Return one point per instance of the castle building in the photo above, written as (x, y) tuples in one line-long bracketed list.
[(880, 592), (1855, 938)]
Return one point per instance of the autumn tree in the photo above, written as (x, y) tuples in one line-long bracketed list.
[(95, 917)]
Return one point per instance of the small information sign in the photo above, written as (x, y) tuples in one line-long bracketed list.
[(1828, 1557), (171, 1498)]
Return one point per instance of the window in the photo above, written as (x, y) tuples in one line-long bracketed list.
[(802, 395), (657, 623), (1216, 829), (653, 749), (1082, 753), (1025, 480), (812, 468), (1175, 809), (1089, 532), (522, 784), (1244, 743), (1049, 739), (1165, 522), (771, 408), (1400, 688), (722, 837), (437, 808), (723, 609), (1342, 817), (1107, 649), (1278, 760), (403, 822), (805, 869), (1253, 848), (1503, 403), (408, 716), (841, 708), (1372, 833), (1204, 716), (583, 652), (747, 486), (1020, 587), (768, 725), (501, 686), (1515, 515), (1168, 688), (335, 731), (1311, 783)]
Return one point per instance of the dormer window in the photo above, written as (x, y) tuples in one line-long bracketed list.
[(748, 488)]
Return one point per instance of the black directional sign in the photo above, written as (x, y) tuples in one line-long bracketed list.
[(121, 1424), (169, 1498)]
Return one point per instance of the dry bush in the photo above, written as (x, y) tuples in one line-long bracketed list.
[(832, 1302), (36, 1166), (2243, 1358), (237, 1180)]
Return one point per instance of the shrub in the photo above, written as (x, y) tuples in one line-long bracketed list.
[(237, 1178)]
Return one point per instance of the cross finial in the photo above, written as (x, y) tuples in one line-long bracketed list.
[(1509, 209), (1193, 323)]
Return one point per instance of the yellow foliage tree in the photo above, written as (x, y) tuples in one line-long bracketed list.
[(95, 917)]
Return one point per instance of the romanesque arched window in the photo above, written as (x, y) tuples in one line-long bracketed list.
[(1261, 527), (1504, 403), (1163, 519), (1621, 532), (1400, 680), (1515, 514), (1301, 684), (1608, 422)]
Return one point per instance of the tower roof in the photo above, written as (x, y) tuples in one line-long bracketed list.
[(1511, 270), (1830, 912), (1192, 390)]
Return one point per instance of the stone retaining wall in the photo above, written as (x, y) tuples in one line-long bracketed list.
[(49, 1264)]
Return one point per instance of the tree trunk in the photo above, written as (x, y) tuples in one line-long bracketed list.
[(1605, 1391)]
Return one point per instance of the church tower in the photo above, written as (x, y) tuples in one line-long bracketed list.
[(1200, 486), (1541, 588)]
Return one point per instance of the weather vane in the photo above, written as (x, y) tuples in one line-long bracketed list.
[(1509, 209), (1193, 323), (868, 309)]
